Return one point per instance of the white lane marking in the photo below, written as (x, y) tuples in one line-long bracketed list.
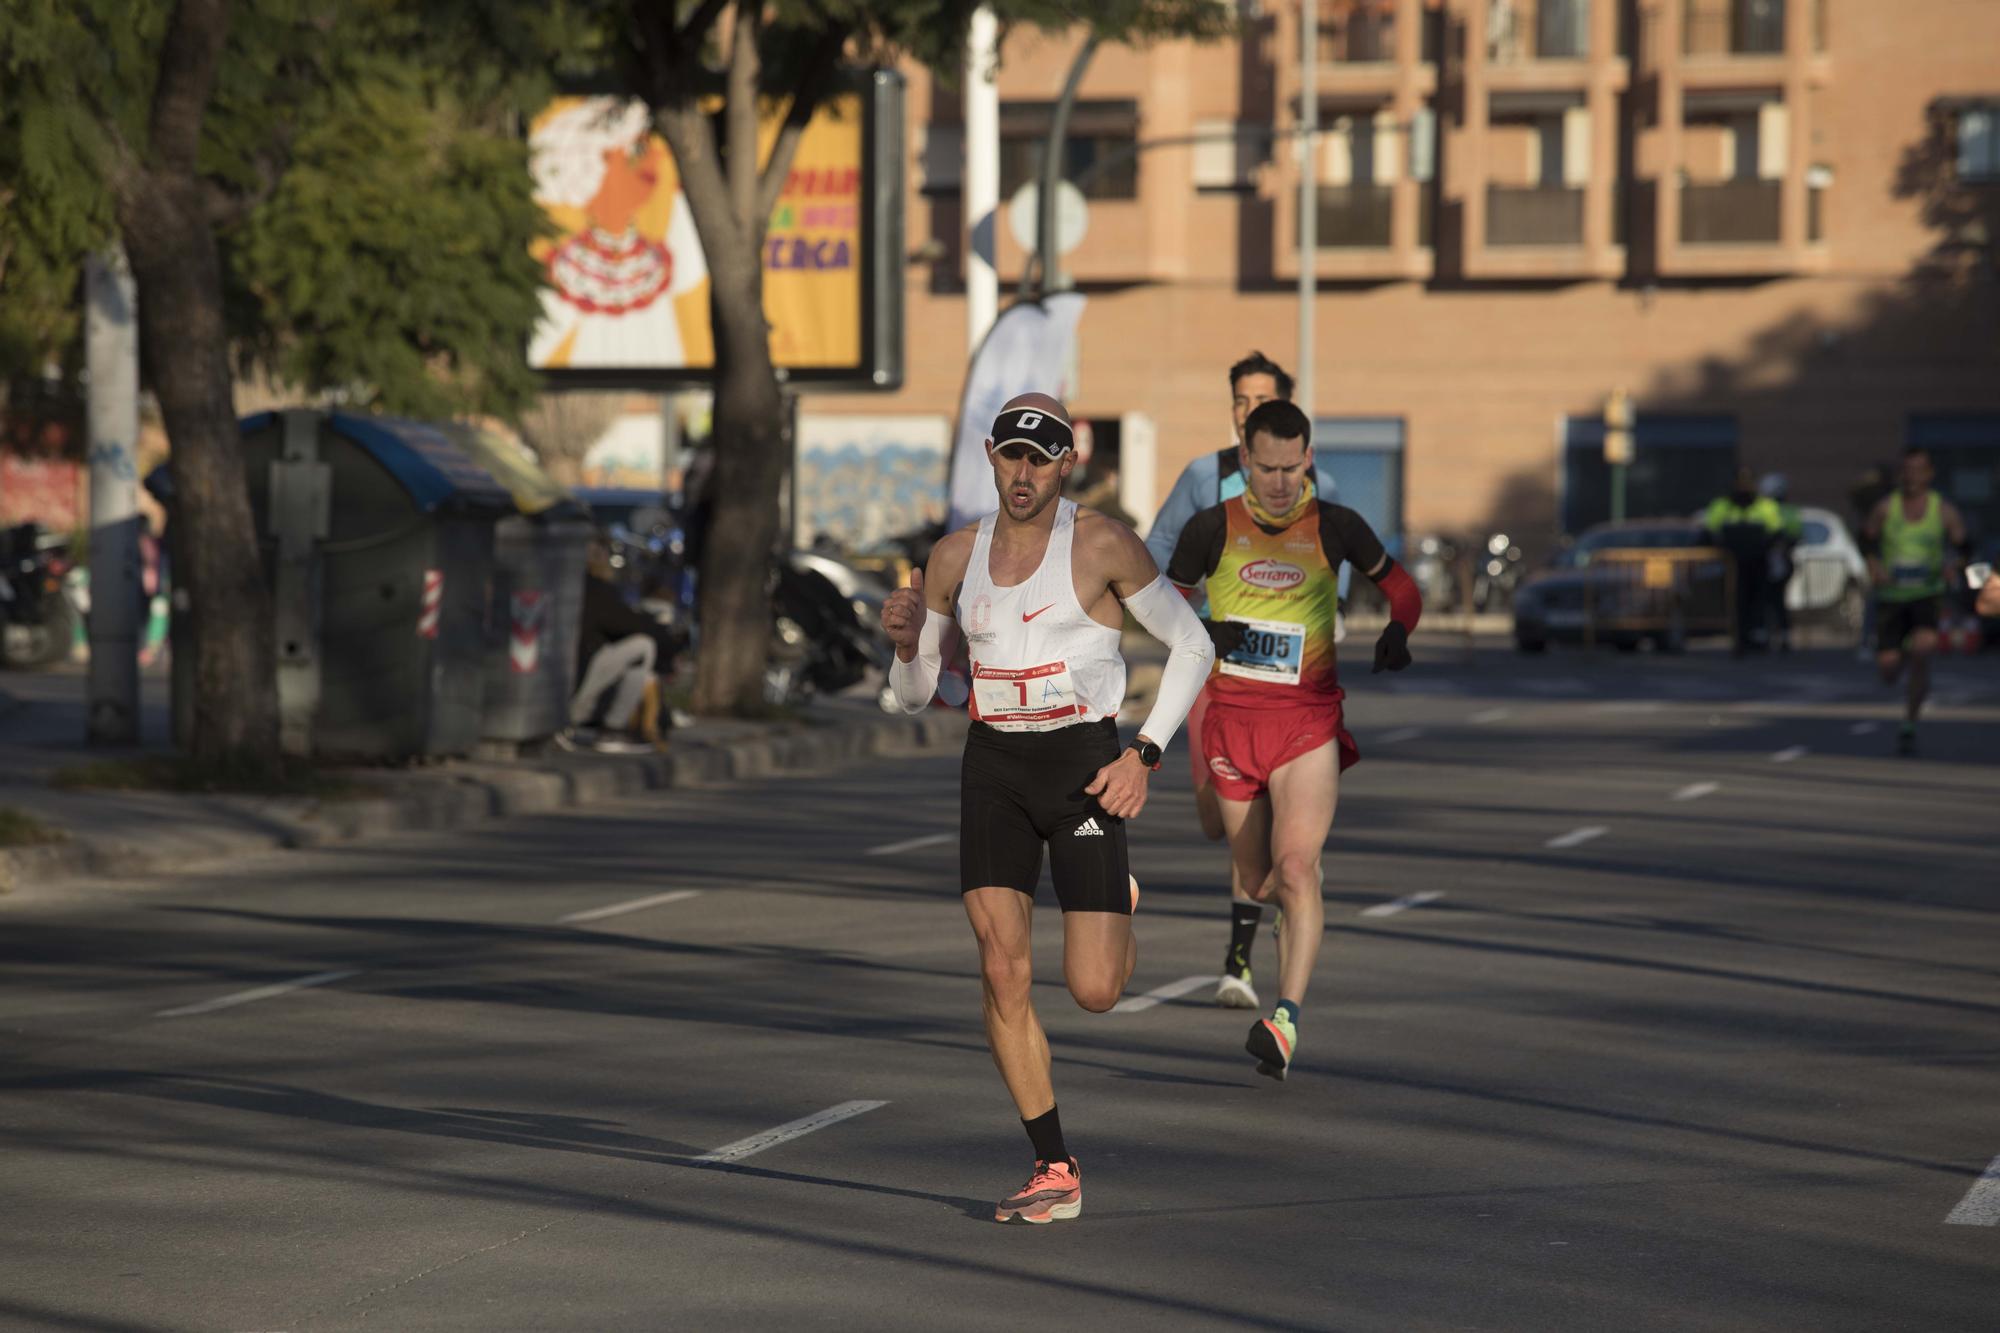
[(1789, 753), (1629, 706), (1403, 904), (620, 909), (771, 1138), (1173, 990), (1490, 715), (1981, 1205), (1576, 837), (1403, 734), (259, 993), (1694, 791), (909, 844), (1863, 728)]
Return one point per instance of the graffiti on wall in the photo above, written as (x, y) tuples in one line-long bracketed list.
[(864, 479)]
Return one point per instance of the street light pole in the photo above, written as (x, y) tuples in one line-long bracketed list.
[(1308, 195), (1048, 277)]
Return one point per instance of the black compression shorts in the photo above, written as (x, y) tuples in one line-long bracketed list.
[(1895, 622), (1021, 790)]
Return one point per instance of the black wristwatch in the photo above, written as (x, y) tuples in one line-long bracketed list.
[(1149, 753)]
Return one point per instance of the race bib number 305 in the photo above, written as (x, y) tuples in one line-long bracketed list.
[(1272, 651), (1038, 698)]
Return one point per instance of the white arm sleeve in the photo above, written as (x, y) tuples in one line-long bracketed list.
[(1165, 614), (915, 681)]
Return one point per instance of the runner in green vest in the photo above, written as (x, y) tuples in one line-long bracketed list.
[(1910, 540)]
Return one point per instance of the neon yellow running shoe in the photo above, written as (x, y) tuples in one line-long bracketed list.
[(1273, 1040)]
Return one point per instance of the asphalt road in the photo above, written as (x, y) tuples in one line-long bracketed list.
[(1728, 1063)]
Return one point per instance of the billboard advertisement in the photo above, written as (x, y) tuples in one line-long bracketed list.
[(627, 289)]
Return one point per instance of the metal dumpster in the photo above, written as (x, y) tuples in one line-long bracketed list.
[(379, 546), (536, 616)]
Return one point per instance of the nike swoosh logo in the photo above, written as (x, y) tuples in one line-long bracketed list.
[(1026, 616)]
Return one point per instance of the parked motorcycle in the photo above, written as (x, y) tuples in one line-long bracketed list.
[(1499, 573), (37, 618), (822, 641), (1435, 570)]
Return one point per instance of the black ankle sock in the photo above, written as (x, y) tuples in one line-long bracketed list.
[(1243, 921), (1045, 1132)]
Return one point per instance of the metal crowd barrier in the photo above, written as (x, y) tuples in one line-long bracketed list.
[(1672, 593)]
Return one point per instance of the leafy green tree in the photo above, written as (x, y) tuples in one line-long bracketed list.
[(335, 187), (678, 57)]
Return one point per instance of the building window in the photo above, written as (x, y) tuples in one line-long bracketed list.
[(1098, 153), (1364, 455), (1979, 144), (1227, 154), (1679, 463), (1965, 449)]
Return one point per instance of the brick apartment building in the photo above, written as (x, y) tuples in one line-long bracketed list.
[(1773, 222)]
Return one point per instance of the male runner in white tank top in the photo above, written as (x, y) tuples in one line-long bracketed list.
[(1039, 591)]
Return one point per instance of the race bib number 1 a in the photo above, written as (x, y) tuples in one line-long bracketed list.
[(1038, 698), (1272, 651)]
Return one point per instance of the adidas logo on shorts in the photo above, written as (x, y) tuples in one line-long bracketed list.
[(1089, 829)]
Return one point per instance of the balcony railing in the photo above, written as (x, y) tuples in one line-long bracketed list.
[(1730, 213), (1357, 32), (1354, 217), (1733, 27), (1524, 30), (1534, 215)]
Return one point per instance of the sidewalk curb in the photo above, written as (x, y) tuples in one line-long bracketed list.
[(469, 791)]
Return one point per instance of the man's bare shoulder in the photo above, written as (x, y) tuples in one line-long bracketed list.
[(1111, 547), (954, 549), (1100, 534)]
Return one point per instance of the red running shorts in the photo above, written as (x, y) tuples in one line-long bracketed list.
[(1245, 746)]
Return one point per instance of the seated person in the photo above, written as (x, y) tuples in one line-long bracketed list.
[(619, 650)]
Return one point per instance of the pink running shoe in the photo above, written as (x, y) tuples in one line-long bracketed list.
[(1053, 1193)]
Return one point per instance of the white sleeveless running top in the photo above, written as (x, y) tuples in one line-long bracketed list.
[(1038, 659)]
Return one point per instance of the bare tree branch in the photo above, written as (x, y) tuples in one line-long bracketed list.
[(805, 101), (189, 59), (741, 111), (691, 134)]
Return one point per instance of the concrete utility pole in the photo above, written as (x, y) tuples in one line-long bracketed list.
[(112, 356), (982, 178), (1047, 262), (1308, 196)]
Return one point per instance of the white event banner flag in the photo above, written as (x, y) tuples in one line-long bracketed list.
[(1028, 350)]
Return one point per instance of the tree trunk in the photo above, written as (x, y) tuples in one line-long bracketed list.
[(178, 268), (749, 442)]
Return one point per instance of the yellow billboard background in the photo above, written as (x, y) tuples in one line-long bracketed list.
[(628, 287)]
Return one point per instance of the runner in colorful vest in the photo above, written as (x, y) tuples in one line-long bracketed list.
[(1210, 480), (1274, 736)]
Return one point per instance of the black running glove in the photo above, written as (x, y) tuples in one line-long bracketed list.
[(1226, 635), (1392, 650)]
